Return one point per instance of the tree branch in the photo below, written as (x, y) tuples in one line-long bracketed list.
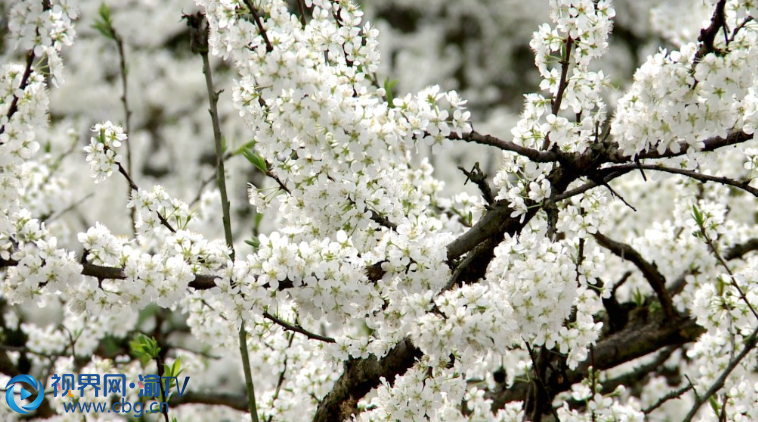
[(22, 86), (234, 401), (719, 383), (360, 377), (642, 336), (532, 154), (298, 329), (259, 23), (649, 271), (744, 185), (741, 249)]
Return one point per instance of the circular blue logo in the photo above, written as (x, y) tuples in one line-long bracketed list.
[(11, 398)]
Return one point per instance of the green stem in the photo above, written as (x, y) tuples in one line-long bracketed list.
[(221, 180)]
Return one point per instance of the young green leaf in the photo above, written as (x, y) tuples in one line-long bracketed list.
[(255, 160), (254, 242), (144, 348), (104, 25), (388, 85)]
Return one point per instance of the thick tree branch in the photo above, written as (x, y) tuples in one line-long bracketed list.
[(360, 377), (649, 271), (639, 338), (708, 35), (741, 249)]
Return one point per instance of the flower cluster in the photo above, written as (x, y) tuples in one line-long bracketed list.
[(690, 95), (39, 262), (101, 152), (522, 183), (359, 258), (44, 28), (420, 394)]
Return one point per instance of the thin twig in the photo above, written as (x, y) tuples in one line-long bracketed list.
[(207, 181), (738, 28), (563, 83), (58, 214), (744, 185), (671, 395), (280, 381), (221, 179), (723, 263), (297, 329), (719, 383), (133, 186), (259, 23), (589, 185), (22, 86), (127, 115), (532, 154)]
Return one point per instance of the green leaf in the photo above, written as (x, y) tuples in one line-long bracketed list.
[(698, 216), (104, 25), (714, 405), (388, 85), (638, 298), (241, 150), (255, 160), (144, 348), (257, 221), (254, 242), (176, 367)]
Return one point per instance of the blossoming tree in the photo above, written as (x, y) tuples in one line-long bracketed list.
[(605, 272)]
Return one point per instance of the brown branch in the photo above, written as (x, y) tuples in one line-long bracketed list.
[(134, 187), (479, 178), (750, 343), (590, 185), (644, 335), (301, 9), (723, 263), (649, 271), (739, 27), (259, 23), (708, 35), (672, 395), (532, 154), (22, 86), (233, 401), (201, 281), (710, 144), (270, 173), (741, 249), (744, 185), (297, 329), (360, 377)]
